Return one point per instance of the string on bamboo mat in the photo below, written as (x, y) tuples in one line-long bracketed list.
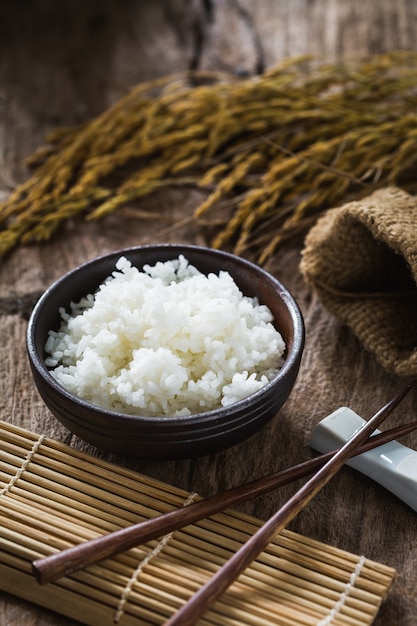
[(344, 595), (153, 554), (271, 152), (15, 477), (63, 497)]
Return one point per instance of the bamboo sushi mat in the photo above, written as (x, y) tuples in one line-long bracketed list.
[(52, 497)]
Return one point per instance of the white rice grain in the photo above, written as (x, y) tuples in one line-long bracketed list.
[(167, 340)]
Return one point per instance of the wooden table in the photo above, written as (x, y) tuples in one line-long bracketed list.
[(63, 63)]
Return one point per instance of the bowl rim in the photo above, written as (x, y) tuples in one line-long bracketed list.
[(291, 358)]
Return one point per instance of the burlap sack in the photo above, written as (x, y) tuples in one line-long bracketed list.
[(361, 259)]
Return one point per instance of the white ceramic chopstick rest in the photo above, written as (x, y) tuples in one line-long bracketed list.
[(392, 465)]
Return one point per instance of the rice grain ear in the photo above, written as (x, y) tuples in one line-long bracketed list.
[(361, 259), (276, 151)]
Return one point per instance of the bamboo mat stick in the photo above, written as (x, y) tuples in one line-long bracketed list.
[(190, 544), (92, 470), (80, 556), (182, 549), (215, 527), (298, 584), (190, 612), (295, 580), (294, 591)]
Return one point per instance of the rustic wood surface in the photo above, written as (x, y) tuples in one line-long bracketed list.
[(64, 62)]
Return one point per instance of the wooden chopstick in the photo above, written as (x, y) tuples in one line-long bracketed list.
[(192, 610), (53, 567)]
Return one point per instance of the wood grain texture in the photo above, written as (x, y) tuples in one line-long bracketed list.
[(61, 64)]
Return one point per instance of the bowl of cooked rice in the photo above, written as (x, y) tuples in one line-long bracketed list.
[(165, 351)]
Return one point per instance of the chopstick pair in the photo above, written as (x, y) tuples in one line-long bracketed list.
[(192, 610), (62, 563)]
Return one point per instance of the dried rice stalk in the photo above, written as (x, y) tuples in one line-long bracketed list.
[(279, 149)]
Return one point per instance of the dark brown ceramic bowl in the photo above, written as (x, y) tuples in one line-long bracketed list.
[(166, 437)]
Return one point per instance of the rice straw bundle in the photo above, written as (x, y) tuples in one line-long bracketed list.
[(52, 497), (276, 149)]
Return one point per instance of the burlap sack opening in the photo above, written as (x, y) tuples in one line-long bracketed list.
[(361, 259)]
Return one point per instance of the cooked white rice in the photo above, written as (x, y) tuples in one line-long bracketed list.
[(167, 340)]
